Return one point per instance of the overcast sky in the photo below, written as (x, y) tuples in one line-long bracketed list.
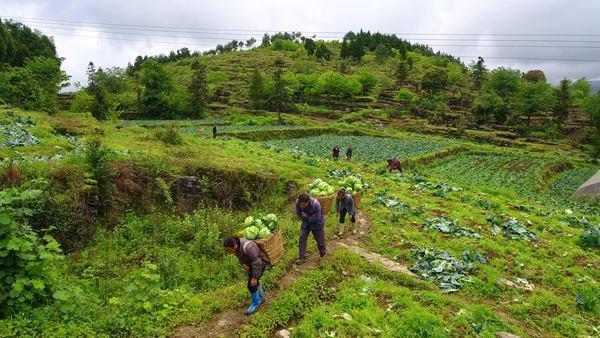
[(423, 16)]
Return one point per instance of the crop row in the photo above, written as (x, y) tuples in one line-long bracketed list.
[(493, 170), (364, 148)]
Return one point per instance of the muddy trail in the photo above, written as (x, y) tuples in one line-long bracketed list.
[(228, 322)]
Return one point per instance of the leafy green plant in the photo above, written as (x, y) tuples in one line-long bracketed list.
[(98, 159), (26, 261), (446, 226), (169, 135), (590, 237), (511, 228), (441, 267)]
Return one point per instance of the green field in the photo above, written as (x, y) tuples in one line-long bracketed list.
[(501, 171), (366, 149)]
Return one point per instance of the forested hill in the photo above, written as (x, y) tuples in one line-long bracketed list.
[(366, 75), (30, 74), (372, 76)]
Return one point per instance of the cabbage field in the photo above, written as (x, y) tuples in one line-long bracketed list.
[(130, 241), (366, 149), (502, 171)]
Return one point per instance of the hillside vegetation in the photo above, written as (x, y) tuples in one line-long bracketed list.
[(114, 227)]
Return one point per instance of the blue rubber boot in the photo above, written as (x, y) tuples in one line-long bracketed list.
[(255, 303), (261, 294)]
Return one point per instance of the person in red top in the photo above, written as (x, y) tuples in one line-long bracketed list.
[(336, 152), (394, 164)]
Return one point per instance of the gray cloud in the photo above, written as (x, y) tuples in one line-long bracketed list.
[(437, 16)]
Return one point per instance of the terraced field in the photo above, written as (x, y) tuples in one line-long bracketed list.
[(494, 171), (366, 149)]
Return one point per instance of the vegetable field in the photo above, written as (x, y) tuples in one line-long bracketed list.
[(228, 128), (366, 149), (494, 170)]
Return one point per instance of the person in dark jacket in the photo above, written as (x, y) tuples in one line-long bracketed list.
[(348, 153), (394, 164), (344, 204), (335, 153), (254, 261), (308, 210), (214, 130)]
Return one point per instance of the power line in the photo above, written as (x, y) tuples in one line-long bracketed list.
[(526, 58), (71, 28), (134, 40), (431, 45), (296, 30), (459, 56)]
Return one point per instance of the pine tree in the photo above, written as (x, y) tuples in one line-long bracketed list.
[(310, 46), (198, 90), (344, 50), (99, 106), (478, 72), (280, 99), (256, 91), (401, 73), (563, 101), (323, 52)]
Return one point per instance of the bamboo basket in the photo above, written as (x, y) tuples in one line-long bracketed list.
[(272, 246), (357, 197), (326, 202)]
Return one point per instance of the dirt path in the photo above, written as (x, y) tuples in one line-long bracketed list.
[(228, 322)]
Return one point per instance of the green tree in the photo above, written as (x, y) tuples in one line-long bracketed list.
[(478, 72), (33, 86), (356, 50), (250, 42), (158, 85), (382, 53), (344, 53), (256, 90), (562, 102), (29, 43), (198, 89), (367, 80), (280, 98), (534, 98), (401, 72), (97, 92), (580, 90), (592, 108), (266, 40), (504, 82), (310, 46), (488, 107), (7, 46), (435, 80), (322, 52)]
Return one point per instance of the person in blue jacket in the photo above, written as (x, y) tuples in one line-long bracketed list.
[(308, 210)]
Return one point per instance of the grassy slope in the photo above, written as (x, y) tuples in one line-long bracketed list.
[(559, 269)]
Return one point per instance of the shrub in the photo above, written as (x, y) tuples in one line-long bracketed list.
[(367, 81), (26, 261), (282, 44), (587, 298), (169, 135), (82, 102), (336, 84), (405, 96)]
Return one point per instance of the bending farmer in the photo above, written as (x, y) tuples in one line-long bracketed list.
[(308, 209), (254, 261), (394, 164), (344, 204)]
